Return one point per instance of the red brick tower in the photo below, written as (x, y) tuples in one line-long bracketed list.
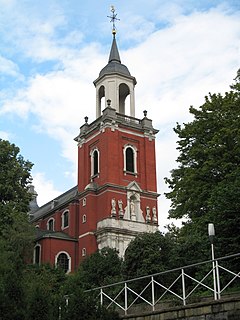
[(116, 165), (116, 195)]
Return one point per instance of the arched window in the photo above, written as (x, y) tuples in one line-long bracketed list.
[(37, 254), (63, 261), (130, 159), (84, 252), (94, 162), (65, 219), (50, 224), (84, 218)]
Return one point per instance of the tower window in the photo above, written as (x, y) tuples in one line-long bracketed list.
[(94, 162), (65, 219), (63, 261), (130, 159), (50, 224)]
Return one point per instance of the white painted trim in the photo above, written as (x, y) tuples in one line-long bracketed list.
[(62, 219), (69, 260), (92, 161), (34, 253), (90, 233), (134, 149), (53, 223)]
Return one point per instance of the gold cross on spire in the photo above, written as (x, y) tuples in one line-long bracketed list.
[(113, 18)]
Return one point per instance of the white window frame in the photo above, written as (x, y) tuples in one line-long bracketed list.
[(134, 149), (84, 218), (51, 219), (92, 162), (69, 260), (34, 253), (64, 212), (84, 252)]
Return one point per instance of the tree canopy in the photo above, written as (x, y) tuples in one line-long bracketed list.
[(205, 188), (15, 177)]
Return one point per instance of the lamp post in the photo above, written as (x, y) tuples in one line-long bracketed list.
[(211, 233)]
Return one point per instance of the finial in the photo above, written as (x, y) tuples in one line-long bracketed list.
[(86, 119), (145, 113), (109, 103), (113, 18)]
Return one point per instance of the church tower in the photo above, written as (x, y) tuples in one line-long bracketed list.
[(116, 164), (116, 194)]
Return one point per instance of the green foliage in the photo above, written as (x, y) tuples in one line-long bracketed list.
[(101, 268), (43, 285), (16, 234), (148, 253), (14, 180), (205, 186)]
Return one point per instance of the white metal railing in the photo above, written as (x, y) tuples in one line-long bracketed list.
[(209, 276)]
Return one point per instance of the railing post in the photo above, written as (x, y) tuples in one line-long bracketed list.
[(214, 273), (218, 281), (101, 297), (153, 295), (126, 298), (183, 288)]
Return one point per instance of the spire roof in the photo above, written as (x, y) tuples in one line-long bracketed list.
[(114, 63), (114, 54)]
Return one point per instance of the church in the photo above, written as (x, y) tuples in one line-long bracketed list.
[(116, 194)]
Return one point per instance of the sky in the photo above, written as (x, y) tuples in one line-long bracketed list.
[(51, 51)]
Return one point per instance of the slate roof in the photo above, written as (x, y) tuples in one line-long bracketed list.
[(55, 204), (114, 63), (41, 234)]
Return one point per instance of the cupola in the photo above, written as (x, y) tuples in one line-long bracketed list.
[(115, 83)]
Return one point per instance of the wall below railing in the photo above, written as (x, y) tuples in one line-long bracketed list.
[(227, 308)]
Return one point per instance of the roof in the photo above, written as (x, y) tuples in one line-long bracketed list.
[(41, 234), (54, 204), (114, 62)]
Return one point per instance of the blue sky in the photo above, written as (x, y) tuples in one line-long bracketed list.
[(51, 52)]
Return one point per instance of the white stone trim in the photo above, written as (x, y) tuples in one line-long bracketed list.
[(69, 260), (90, 233), (51, 219), (62, 219), (34, 253)]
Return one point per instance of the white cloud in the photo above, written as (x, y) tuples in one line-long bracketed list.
[(44, 188), (5, 135), (8, 67)]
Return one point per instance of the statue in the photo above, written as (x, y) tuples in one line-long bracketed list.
[(132, 210), (154, 211), (148, 217), (113, 210), (120, 206)]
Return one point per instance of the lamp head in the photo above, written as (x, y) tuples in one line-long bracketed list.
[(211, 231)]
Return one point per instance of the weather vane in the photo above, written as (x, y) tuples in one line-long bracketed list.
[(113, 18)]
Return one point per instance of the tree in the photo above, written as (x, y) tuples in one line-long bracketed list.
[(147, 254), (205, 188), (77, 304), (16, 234), (101, 268), (15, 178)]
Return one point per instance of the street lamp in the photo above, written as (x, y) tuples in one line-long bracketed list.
[(211, 233)]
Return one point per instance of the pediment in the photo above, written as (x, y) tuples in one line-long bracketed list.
[(134, 186)]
